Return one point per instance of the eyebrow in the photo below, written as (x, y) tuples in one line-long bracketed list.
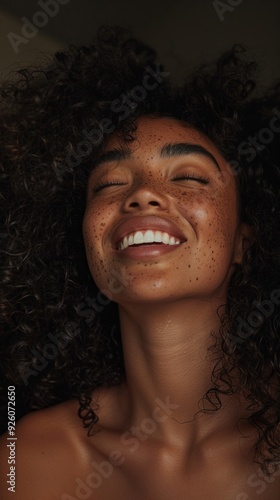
[(186, 149), (168, 151), (112, 156)]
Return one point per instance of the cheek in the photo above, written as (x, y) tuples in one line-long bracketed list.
[(214, 222), (91, 230), (202, 209), (97, 220), (93, 226), (97, 217), (211, 210)]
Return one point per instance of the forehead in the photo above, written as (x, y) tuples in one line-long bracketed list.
[(153, 132)]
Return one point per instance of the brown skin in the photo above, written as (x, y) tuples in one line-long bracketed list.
[(167, 306)]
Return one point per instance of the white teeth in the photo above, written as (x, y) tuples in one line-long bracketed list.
[(148, 236), (125, 242), (165, 238), (138, 238), (158, 238)]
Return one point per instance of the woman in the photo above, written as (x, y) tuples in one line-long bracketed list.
[(141, 278)]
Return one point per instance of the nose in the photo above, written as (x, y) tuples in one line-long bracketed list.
[(144, 198)]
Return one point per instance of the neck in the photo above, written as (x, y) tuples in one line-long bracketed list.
[(167, 358)]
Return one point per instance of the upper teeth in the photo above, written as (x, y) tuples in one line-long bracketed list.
[(147, 237)]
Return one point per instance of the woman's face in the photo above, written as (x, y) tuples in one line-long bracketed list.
[(161, 221)]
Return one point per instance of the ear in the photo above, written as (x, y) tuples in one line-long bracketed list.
[(244, 240)]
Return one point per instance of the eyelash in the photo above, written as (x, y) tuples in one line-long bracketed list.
[(103, 184), (202, 180)]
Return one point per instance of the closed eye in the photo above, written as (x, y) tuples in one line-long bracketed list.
[(101, 185), (200, 179)]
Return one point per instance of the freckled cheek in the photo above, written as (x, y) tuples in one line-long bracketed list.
[(95, 259), (214, 218), (197, 212), (227, 217), (96, 222), (93, 227)]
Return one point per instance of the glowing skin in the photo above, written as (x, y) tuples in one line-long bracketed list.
[(168, 295), (167, 298), (205, 213)]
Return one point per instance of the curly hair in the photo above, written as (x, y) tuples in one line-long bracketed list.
[(60, 335)]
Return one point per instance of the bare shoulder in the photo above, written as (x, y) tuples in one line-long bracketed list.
[(44, 453)]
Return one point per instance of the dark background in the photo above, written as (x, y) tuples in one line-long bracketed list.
[(184, 32)]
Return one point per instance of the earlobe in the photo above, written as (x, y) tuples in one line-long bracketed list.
[(244, 241)]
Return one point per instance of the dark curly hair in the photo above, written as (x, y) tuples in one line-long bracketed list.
[(60, 335)]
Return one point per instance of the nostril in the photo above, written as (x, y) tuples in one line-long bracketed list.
[(133, 204), (154, 203)]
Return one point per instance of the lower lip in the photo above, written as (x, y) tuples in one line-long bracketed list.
[(147, 251)]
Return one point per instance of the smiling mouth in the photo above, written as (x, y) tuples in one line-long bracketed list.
[(141, 238)]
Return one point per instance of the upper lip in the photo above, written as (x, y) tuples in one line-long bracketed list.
[(143, 223)]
